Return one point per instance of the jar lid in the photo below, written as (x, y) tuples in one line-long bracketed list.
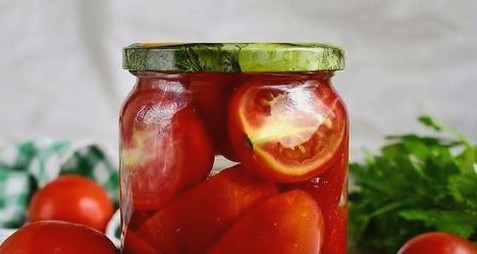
[(233, 57)]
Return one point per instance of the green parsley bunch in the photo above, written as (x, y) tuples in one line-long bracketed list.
[(415, 184)]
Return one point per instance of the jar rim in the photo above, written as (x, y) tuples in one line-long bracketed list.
[(233, 57)]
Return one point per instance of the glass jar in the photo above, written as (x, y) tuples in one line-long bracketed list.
[(233, 148)]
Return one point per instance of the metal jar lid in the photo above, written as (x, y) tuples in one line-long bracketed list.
[(233, 57)]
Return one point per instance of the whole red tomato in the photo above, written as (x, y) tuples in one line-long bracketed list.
[(165, 147), (438, 243), (289, 223), (45, 237), (72, 198), (286, 130)]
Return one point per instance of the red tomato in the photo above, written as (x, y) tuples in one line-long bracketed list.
[(335, 239), (438, 243), (212, 92), (133, 244), (289, 223), (57, 237), (194, 221), (286, 132), (165, 147), (137, 218), (330, 191), (72, 198)]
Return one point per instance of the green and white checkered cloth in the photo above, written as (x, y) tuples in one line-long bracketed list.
[(27, 166)]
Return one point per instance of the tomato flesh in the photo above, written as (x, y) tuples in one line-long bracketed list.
[(287, 133)]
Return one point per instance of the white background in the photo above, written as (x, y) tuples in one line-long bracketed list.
[(61, 76)]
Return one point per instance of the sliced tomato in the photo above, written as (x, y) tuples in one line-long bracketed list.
[(286, 133), (289, 223), (165, 147), (193, 221), (212, 92)]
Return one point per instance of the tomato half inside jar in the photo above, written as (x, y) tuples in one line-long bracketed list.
[(271, 110), (287, 131)]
